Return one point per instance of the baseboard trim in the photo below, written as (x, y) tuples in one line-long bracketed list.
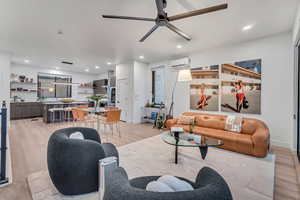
[(281, 144)]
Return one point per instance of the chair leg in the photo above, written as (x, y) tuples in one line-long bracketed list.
[(112, 129), (118, 128)]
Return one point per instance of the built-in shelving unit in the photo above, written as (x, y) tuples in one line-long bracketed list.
[(23, 83), (23, 89)]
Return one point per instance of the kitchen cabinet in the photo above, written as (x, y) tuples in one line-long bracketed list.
[(24, 110)]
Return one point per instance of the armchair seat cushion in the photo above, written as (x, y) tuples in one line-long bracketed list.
[(209, 185)]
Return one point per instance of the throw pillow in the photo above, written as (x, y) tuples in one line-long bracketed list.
[(233, 123), (77, 136), (186, 120), (156, 186), (175, 183)]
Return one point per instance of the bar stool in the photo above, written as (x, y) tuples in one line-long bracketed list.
[(67, 114), (53, 112)]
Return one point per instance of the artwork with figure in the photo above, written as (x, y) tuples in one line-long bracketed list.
[(204, 88), (241, 87)]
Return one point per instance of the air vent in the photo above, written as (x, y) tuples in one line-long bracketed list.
[(67, 63)]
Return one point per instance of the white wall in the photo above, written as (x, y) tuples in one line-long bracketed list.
[(102, 76), (276, 53), (138, 77), (296, 30), (140, 87), (32, 72), (125, 72)]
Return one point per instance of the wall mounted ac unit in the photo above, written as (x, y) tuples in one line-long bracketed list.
[(179, 64)]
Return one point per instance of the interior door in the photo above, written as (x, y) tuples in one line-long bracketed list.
[(122, 101)]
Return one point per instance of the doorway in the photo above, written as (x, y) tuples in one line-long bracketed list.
[(122, 101)]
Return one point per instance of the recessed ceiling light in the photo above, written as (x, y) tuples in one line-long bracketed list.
[(60, 32), (97, 67), (179, 46), (87, 70), (109, 63), (142, 57), (248, 27), (27, 61)]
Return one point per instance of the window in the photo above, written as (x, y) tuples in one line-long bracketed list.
[(54, 86), (158, 85)]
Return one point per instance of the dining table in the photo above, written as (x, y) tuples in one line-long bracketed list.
[(100, 111)]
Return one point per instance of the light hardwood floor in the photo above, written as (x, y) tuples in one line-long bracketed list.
[(28, 141)]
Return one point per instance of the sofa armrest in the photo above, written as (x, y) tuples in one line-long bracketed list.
[(170, 123), (261, 141), (110, 150)]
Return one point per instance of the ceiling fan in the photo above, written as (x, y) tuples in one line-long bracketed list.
[(162, 18)]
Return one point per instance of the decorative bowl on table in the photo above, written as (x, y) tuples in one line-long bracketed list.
[(67, 100)]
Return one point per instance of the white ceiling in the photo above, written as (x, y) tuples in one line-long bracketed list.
[(28, 28)]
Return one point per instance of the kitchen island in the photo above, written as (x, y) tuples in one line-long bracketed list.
[(57, 104)]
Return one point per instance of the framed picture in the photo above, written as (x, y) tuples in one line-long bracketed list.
[(241, 87), (204, 88)]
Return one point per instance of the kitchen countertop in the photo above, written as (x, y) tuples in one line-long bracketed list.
[(25, 102), (61, 103)]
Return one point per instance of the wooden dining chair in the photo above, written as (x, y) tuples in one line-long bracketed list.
[(83, 106), (112, 119), (110, 108), (81, 116)]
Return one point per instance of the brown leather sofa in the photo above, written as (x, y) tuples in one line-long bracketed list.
[(254, 138)]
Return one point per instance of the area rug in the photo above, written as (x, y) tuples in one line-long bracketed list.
[(249, 178)]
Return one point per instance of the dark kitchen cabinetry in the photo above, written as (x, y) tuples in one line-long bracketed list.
[(24, 110)]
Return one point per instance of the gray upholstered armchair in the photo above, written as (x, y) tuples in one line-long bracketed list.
[(209, 185), (73, 163)]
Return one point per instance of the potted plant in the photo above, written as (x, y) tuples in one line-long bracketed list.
[(96, 100)]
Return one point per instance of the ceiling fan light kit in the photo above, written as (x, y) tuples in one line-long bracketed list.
[(162, 18)]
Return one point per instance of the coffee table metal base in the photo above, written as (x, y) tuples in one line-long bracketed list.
[(203, 151)]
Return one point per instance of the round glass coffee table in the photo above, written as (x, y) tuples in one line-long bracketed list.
[(180, 139)]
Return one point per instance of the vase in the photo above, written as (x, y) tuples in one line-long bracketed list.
[(96, 106)]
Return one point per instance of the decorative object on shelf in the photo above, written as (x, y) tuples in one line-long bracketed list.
[(67, 100), (22, 78), (86, 85)]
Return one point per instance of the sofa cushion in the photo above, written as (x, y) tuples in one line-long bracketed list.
[(210, 121), (236, 142), (186, 120)]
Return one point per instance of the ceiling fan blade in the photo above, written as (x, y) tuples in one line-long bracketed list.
[(178, 31), (128, 18), (149, 33), (198, 12)]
